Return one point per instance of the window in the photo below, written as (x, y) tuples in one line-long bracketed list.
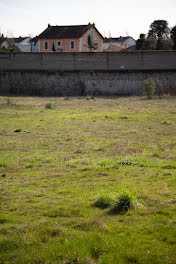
[(96, 46), (72, 44), (46, 45), (59, 45)]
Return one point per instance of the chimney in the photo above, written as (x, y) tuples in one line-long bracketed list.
[(49, 25)]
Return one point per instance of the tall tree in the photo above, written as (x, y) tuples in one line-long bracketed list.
[(160, 30), (173, 36)]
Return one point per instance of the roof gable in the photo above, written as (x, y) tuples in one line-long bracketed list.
[(60, 32), (20, 39), (119, 40)]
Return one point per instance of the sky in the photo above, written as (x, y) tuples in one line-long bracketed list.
[(113, 18)]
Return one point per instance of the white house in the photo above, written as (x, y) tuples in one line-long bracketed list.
[(122, 42), (23, 43), (35, 44)]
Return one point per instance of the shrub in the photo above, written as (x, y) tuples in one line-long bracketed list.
[(104, 201), (149, 87), (50, 105), (9, 101), (125, 201)]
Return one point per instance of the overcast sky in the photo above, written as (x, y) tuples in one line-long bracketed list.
[(112, 17)]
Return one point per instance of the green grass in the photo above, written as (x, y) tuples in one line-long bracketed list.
[(61, 161)]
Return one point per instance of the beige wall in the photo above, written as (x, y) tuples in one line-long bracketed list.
[(97, 39), (66, 43)]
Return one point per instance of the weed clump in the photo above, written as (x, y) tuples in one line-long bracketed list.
[(124, 202), (9, 101), (104, 201), (119, 203), (149, 87), (50, 105)]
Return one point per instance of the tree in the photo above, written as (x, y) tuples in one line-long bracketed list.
[(140, 42), (160, 30), (173, 36), (144, 43)]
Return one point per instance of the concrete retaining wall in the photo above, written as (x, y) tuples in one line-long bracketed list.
[(83, 83), (64, 74)]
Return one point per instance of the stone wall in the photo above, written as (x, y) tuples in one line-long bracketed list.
[(66, 74)]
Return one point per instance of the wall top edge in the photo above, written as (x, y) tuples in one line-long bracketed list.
[(71, 53)]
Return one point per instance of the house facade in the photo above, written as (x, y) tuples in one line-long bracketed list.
[(81, 38)]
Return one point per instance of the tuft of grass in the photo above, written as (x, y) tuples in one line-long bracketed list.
[(104, 201), (118, 203), (9, 101), (18, 130), (149, 87), (2, 218), (124, 202), (50, 105)]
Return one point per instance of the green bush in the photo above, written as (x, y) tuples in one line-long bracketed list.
[(104, 201), (149, 87), (50, 105), (124, 202), (9, 101)]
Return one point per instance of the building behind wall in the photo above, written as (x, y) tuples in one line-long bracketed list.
[(23, 44), (118, 44), (79, 38)]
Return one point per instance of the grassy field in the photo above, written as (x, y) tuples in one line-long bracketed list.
[(56, 163)]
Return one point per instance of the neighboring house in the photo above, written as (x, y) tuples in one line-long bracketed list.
[(34, 44), (16, 44), (123, 42), (81, 38), (23, 44), (8, 44)]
